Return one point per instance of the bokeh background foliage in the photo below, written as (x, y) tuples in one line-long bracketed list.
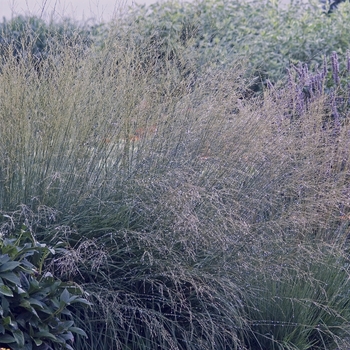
[(197, 213)]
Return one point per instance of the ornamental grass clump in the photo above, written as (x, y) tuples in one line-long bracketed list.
[(121, 161), (186, 206)]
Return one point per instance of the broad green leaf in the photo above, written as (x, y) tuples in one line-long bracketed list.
[(62, 305), (36, 302), (34, 286), (10, 276), (72, 288), (18, 335), (72, 299), (5, 306), (24, 281), (7, 339), (27, 305), (22, 320), (45, 335), (13, 324), (6, 320), (78, 331), (5, 290), (66, 336), (55, 303), (82, 301), (9, 266), (37, 341), (66, 324), (4, 259), (65, 296), (21, 291), (66, 312)]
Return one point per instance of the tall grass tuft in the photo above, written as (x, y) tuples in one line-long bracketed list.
[(196, 217)]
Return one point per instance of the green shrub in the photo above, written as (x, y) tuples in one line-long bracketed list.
[(34, 305), (269, 36)]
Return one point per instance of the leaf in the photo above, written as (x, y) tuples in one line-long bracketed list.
[(66, 324), (66, 312), (4, 259), (13, 324), (7, 339), (66, 336), (65, 296), (18, 335), (10, 276), (24, 281), (9, 266), (55, 303), (21, 291), (45, 335), (36, 303), (6, 320), (5, 290), (26, 305), (82, 301), (78, 331), (5, 306), (73, 288), (37, 341)]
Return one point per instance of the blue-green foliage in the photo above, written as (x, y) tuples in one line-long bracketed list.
[(34, 305)]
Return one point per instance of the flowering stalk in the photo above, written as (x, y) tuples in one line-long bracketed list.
[(335, 68)]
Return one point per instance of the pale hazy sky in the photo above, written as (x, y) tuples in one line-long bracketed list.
[(78, 9)]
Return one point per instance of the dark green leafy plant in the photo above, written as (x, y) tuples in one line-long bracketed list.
[(34, 306)]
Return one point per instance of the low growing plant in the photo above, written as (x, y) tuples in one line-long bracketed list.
[(35, 306)]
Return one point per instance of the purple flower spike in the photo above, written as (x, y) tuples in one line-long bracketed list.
[(335, 67), (325, 67)]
